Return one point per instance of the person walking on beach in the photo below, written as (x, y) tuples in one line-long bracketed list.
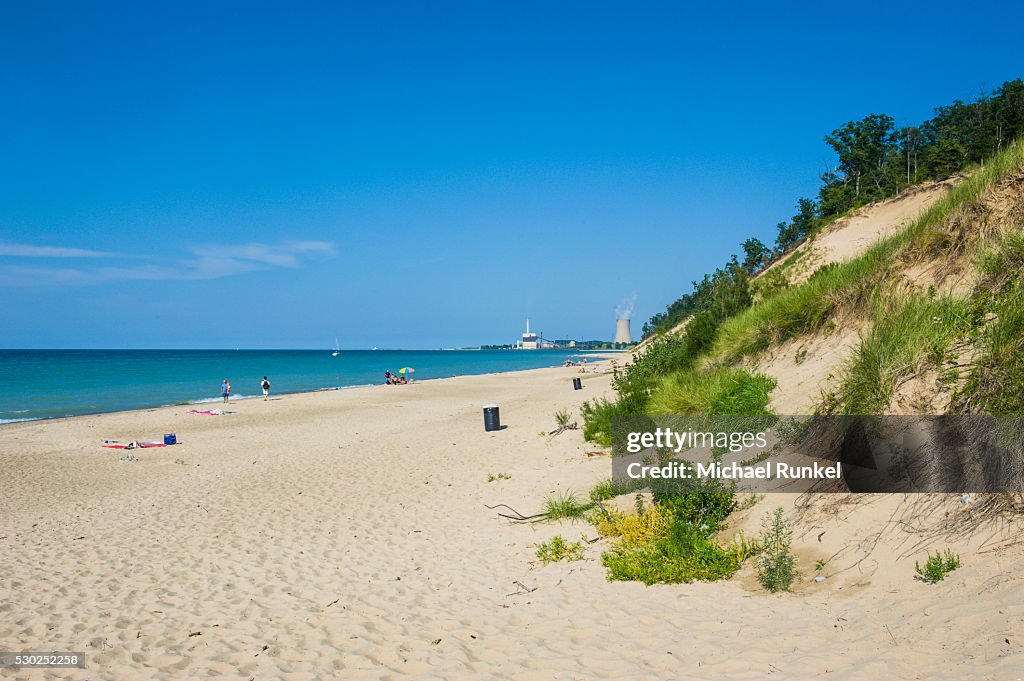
[(225, 390), (265, 384)]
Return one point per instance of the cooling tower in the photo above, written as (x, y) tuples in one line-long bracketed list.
[(622, 331)]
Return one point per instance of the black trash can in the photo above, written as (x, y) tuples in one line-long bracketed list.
[(577, 384), (491, 419)]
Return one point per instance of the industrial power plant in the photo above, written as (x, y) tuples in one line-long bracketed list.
[(622, 331), (535, 340)]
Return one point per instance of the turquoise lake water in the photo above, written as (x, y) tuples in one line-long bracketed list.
[(38, 384)]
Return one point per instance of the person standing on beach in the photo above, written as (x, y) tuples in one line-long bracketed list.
[(265, 385), (225, 390)]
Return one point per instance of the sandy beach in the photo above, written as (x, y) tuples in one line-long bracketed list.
[(344, 534)]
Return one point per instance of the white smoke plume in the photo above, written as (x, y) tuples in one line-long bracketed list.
[(624, 310)]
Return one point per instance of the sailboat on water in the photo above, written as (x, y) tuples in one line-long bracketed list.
[(337, 348)]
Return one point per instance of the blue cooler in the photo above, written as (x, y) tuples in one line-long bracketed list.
[(170, 439)]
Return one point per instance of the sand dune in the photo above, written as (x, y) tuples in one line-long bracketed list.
[(848, 237), (345, 535)]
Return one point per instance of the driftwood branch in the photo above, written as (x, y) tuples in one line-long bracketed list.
[(516, 516)]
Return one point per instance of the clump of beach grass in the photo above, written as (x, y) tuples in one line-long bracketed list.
[(994, 384), (611, 487), (563, 419), (566, 504), (910, 333), (719, 391)]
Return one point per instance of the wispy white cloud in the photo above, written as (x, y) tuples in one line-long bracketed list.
[(280, 255), (206, 262), (14, 275), (187, 270), (31, 251)]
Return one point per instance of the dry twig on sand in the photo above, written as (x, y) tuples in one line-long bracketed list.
[(518, 517)]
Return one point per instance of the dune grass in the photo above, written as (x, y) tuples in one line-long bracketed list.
[(998, 380), (611, 487), (910, 333), (718, 391), (995, 383), (914, 332), (807, 307), (562, 505)]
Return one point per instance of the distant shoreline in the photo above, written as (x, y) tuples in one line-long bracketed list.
[(600, 356)]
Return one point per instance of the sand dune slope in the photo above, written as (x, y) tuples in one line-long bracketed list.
[(848, 237)]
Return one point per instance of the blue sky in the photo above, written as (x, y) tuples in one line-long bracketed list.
[(425, 174)]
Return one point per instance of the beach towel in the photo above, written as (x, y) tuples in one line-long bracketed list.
[(141, 445), (205, 412)]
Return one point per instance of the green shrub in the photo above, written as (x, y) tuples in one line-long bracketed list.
[(937, 567), (558, 549), (634, 382), (597, 420), (776, 564), (671, 540), (685, 554), (705, 510), (633, 530)]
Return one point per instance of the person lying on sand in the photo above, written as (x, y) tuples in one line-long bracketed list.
[(394, 379)]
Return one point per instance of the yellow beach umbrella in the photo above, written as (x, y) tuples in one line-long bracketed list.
[(406, 370)]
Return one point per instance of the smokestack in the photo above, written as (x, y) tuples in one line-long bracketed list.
[(622, 331)]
